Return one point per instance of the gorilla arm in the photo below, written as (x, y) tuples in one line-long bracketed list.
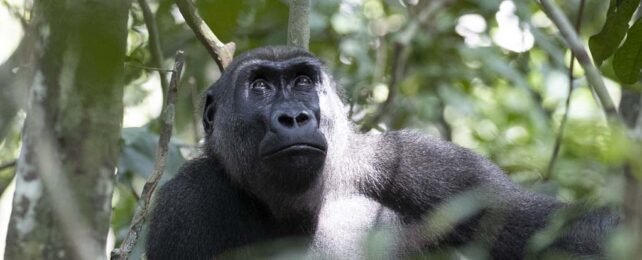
[(417, 174)]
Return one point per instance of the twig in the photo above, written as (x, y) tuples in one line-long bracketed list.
[(222, 53), (160, 70), (154, 43), (159, 166), (8, 164), (560, 133), (298, 20), (575, 44)]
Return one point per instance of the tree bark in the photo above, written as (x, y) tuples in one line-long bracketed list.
[(65, 172)]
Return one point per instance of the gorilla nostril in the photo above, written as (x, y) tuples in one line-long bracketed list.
[(289, 121), (286, 120), (302, 118)]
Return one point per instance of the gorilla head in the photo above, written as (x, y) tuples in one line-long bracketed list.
[(262, 120)]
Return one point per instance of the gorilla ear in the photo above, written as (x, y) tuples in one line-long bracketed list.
[(208, 112)]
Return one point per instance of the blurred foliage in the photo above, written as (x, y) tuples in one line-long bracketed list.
[(627, 60), (604, 44), (489, 75)]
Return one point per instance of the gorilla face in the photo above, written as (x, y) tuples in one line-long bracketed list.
[(282, 97), (276, 114)]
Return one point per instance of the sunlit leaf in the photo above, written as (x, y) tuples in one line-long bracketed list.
[(627, 61), (604, 44)]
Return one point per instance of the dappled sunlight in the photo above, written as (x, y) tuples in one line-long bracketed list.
[(11, 33), (137, 115), (511, 33), (472, 27)]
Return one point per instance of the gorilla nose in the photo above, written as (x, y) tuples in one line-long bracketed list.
[(293, 120), (297, 121), (293, 130)]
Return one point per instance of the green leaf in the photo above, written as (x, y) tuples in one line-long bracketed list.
[(138, 153), (627, 61), (604, 44)]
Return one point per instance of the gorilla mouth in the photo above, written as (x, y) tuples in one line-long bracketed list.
[(297, 149)]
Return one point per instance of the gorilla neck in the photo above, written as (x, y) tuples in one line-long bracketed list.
[(345, 165), (348, 163), (286, 205)]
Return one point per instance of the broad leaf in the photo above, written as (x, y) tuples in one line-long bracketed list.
[(604, 44), (138, 153), (627, 61)]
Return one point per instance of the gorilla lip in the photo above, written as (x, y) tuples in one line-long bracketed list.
[(299, 147)]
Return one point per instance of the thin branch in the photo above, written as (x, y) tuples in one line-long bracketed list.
[(575, 44), (222, 53), (8, 164), (159, 166), (160, 70), (560, 133), (298, 23), (154, 43)]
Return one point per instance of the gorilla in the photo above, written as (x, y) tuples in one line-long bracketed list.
[(281, 160)]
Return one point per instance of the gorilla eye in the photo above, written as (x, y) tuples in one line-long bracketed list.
[(302, 81), (259, 84)]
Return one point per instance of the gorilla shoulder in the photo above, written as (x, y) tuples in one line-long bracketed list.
[(201, 205), (422, 154)]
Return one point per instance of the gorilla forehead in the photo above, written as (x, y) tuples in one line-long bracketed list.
[(226, 83), (272, 53)]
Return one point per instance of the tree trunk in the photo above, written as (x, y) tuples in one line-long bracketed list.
[(65, 173)]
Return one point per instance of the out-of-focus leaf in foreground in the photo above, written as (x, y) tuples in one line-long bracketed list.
[(627, 60), (604, 44), (139, 153)]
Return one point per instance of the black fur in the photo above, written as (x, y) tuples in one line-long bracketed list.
[(235, 196), (199, 214)]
